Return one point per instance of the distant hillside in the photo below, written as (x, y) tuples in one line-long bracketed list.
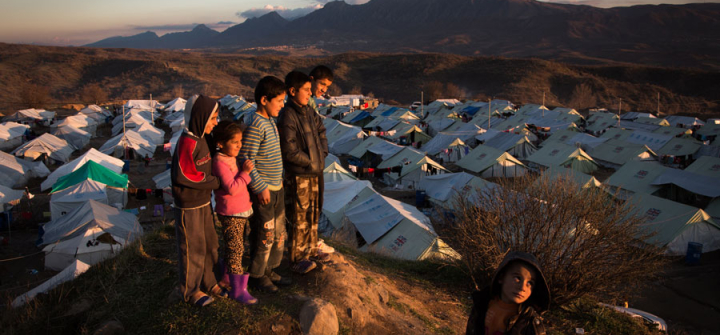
[(134, 74), (667, 35)]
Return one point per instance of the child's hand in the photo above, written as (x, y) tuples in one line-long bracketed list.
[(247, 166), (264, 197)]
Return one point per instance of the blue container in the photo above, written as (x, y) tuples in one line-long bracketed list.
[(420, 197), (126, 167), (693, 253)]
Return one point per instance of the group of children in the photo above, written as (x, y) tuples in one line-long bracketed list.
[(269, 172), (263, 174)]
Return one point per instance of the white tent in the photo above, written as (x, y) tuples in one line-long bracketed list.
[(83, 234), (132, 121), (614, 153), (96, 112), (414, 167), (330, 158), (675, 224), (31, 115), (15, 172), (340, 195), (343, 138), (173, 141), (396, 229), (178, 124), (447, 148), (72, 271), (151, 133), (555, 154), (444, 188), (491, 162), (175, 105), (107, 161), (163, 182), (141, 104), (637, 176), (65, 201), (8, 195), (80, 121), (517, 145), (117, 145), (683, 121), (335, 172), (47, 144), (76, 137), (11, 134)]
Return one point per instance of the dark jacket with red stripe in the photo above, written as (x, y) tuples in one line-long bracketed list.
[(191, 172)]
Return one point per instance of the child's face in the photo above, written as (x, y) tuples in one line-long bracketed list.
[(212, 122), (232, 146), (274, 105), (320, 86), (517, 284), (302, 95)]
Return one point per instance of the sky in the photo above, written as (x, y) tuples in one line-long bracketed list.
[(79, 22)]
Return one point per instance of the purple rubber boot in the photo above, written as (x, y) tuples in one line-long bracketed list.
[(239, 290)]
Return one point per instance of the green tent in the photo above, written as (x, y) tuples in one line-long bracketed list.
[(92, 171)]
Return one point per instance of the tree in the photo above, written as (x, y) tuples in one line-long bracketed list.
[(582, 97), (34, 95), (587, 241), (334, 90), (93, 94), (433, 90)]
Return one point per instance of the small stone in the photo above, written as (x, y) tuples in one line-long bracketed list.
[(319, 317)]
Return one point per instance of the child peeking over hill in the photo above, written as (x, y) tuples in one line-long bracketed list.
[(513, 302), (233, 206)]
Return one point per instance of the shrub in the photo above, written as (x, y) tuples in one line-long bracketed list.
[(34, 96), (586, 240), (94, 94)]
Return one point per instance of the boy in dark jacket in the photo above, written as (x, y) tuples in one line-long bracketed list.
[(304, 148), (192, 185), (514, 301)]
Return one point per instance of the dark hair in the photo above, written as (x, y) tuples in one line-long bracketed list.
[(321, 72), (496, 289), (225, 130), (268, 87), (296, 79)]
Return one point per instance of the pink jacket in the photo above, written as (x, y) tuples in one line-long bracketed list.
[(232, 197)]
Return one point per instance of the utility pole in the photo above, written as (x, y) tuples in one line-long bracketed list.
[(658, 104), (422, 111), (489, 107), (543, 105), (152, 111), (619, 110), (123, 116)]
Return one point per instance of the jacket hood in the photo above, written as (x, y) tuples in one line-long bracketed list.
[(197, 114), (540, 297)]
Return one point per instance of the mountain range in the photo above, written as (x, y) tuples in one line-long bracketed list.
[(666, 35)]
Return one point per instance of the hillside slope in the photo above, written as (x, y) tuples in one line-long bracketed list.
[(134, 74)]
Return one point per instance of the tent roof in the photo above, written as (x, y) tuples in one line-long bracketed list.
[(668, 218), (93, 171), (385, 149), (706, 166), (85, 190), (107, 161), (556, 154), (410, 159), (693, 182), (441, 142), (687, 121), (601, 121), (335, 172), (8, 195), (91, 215), (443, 187), (619, 152), (484, 157), (378, 214), (680, 147), (362, 148), (130, 139), (637, 176), (709, 129), (506, 141), (48, 144), (582, 179)]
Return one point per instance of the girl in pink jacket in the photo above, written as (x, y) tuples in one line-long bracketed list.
[(232, 205)]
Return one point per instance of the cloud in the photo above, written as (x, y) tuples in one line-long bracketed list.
[(167, 27), (226, 23), (349, 2), (283, 11)]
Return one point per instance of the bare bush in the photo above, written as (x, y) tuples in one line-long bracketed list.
[(334, 90), (587, 242), (93, 94), (582, 97), (34, 95)]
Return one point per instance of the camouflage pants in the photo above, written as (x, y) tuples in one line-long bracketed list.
[(234, 236), (302, 208)]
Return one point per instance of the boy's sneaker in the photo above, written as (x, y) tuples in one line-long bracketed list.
[(321, 257), (324, 248), (263, 284), (279, 280), (304, 266)]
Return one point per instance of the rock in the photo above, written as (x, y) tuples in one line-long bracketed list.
[(110, 328), (318, 317), (381, 292), (358, 313)]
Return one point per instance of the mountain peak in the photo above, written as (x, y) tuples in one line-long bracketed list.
[(201, 27)]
